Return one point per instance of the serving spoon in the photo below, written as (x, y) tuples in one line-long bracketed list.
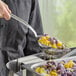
[(28, 26), (25, 24)]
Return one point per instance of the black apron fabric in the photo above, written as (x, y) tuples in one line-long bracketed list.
[(15, 39)]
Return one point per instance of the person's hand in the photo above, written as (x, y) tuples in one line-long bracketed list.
[(4, 11)]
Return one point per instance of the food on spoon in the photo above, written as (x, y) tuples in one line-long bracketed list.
[(54, 45), (45, 41), (51, 42), (63, 68)]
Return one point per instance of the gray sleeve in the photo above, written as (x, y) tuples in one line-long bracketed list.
[(35, 21), (12, 39)]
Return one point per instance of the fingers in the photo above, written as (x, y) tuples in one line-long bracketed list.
[(6, 14), (8, 9), (1, 15), (4, 11)]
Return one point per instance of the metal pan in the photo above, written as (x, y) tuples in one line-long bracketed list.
[(43, 63), (53, 51)]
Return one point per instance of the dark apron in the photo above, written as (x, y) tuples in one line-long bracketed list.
[(18, 41)]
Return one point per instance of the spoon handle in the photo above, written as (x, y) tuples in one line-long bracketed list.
[(24, 23)]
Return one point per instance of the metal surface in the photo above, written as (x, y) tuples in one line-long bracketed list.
[(29, 61), (69, 54), (43, 63), (15, 69)]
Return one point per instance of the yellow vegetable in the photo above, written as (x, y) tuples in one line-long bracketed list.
[(59, 43), (42, 70), (37, 69), (53, 73), (70, 64), (47, 37), (47, 75), (44, 40), (54, 46)]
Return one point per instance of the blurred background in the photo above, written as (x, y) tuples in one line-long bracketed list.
[(59, 20)]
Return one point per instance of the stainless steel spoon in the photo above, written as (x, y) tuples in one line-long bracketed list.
[(24, 23), (28, 26)]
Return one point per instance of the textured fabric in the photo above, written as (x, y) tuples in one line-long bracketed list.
[(15, 39)]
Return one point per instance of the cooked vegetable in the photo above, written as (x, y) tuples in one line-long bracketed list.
[(51, 42), (62, 68)]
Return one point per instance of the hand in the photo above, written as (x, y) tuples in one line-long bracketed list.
[(4, 11)]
